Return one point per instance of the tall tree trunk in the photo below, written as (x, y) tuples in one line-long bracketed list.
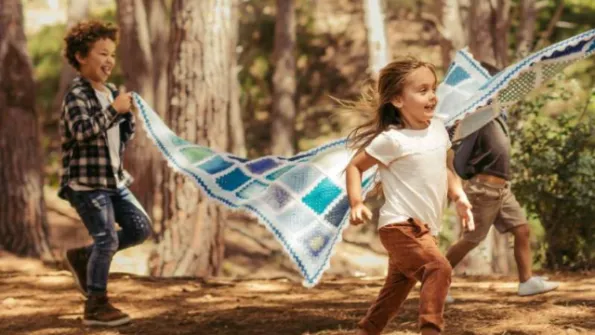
[(500, 32), (137, 65), (377, 43), (23, 224), (77, 10), (190, 236), (237, 137), (449, 24), (158, 19), (481, 39), (284, 83), (488, 32), (527, 26), (159, 34)]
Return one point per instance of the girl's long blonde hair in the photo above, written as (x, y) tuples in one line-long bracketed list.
[(376, 103)]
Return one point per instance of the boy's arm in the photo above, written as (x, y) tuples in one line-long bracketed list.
[(128, 127), (81, 123)]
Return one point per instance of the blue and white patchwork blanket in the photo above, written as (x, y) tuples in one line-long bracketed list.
[(470, 95), (302, 200)]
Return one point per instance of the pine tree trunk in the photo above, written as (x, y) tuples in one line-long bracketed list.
[(137, 66), (77, 10), (452, 36), (527, 25), (500, 32), (23, 224), (202, 48), (378, 53), (284, 83), (157, 19), (481, 39), (237, 136)]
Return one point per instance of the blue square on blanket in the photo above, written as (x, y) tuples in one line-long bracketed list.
[(300, 178), (316, 240), (262, 165), (456, 76), (322, 196), (273, 176), (215, 165), (276, 197), (232, 180), (252, 189), (338, 212), (294, 219)]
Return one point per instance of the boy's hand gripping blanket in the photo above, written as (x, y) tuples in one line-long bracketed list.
[(302, 200)]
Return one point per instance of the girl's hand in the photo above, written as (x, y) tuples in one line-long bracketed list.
[(359, 214), (463, 207)]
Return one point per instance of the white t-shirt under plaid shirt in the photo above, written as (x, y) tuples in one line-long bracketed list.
[(413, 173), (113, 133), (113, 140)]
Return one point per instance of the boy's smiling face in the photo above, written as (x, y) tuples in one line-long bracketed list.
[(98, 64)]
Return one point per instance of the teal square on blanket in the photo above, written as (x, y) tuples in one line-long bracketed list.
[(215, 165), (232, 180), (322, 196)]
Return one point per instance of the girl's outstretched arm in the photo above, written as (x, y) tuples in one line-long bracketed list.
[(457, 194), (358, 165)]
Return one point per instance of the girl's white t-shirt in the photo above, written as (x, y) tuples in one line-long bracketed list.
[(413, 173)]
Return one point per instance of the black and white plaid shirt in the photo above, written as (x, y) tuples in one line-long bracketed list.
[(83, 132)]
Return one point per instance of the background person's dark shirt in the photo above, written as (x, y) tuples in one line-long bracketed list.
[(491, 151)]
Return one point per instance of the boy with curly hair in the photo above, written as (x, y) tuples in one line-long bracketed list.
[(96, 124)]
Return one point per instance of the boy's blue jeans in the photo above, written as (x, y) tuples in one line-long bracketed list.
[(99, 211)]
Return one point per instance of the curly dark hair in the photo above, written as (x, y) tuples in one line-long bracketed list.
[(81, 36)]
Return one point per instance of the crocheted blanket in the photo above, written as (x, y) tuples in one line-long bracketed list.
[(302, 200)]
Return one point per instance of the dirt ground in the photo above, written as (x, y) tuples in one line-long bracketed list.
[(37, 300)]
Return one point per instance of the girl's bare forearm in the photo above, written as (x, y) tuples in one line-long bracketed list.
[(354, 185)]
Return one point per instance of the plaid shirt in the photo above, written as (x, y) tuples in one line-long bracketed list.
[(83, 132)]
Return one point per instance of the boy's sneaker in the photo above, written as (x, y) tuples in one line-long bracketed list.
[(536, 285), (76, 260), (99, 312)]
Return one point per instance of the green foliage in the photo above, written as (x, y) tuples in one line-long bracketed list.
[(554, 162), (577, 17)]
